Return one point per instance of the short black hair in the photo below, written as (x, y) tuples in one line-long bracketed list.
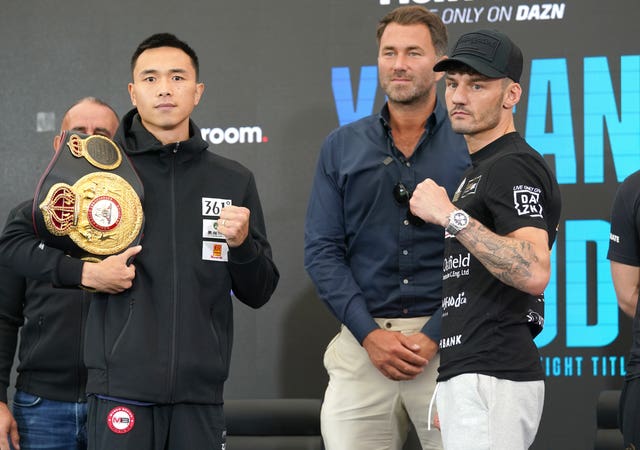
[(165, 40)]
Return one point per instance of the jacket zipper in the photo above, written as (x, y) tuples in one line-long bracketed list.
[(174, 325), (33, 347)]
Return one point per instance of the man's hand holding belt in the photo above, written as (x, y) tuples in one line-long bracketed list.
[(113, 274)]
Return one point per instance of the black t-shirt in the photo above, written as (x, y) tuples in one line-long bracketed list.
[(487, 326), (624, 247)]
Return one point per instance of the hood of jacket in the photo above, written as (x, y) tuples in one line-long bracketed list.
[(135, 139)]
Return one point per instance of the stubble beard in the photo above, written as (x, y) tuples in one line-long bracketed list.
[(487, 121), (407, 97)]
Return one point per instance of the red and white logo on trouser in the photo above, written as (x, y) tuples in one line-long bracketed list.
[(120, 419)]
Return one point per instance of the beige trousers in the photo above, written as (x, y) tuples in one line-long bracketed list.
[(364, 410)]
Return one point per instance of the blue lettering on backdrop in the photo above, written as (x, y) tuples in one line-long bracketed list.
[(549, 129), (348, 110), (549, 121), (550, 84), (623, 124), (579, 332), (576, 366), (605, 329)]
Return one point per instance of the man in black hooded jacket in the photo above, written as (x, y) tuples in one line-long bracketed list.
[(159, 332), (49, 405)]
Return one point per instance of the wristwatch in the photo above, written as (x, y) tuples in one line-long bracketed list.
[(458, 220)]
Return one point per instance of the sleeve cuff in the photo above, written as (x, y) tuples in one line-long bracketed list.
[(3, 394), (69, 273), (245, 252), (361, 324), (433, 328)]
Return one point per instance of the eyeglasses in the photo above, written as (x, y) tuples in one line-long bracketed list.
[(402, 195)]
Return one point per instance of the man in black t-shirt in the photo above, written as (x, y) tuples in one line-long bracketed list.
[(624, 254), (499, 232)]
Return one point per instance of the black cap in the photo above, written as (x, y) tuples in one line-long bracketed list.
[(488, 52)]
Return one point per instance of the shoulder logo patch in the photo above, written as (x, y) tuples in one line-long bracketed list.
[(526, 200)]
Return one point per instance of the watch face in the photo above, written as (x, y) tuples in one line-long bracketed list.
[(460, 219)]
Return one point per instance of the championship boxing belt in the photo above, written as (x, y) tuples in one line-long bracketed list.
[(89, 200)]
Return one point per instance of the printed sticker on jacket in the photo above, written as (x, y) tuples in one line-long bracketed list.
[(211, 207), (210, 229), (215, 251)]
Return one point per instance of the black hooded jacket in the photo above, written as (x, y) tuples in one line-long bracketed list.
[(168, 338), (50, 322)]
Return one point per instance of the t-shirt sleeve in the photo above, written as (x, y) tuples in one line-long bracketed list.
[(516, 193)]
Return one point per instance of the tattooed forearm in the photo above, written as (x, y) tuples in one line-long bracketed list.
[(510, 260)]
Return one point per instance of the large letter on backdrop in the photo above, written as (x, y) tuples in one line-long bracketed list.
[(605, 329), (623, 123), (549, 121), (343, 94)]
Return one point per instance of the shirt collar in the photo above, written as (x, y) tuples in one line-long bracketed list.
[(437, 117)]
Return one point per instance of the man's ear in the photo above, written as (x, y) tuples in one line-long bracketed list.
[(132, 94), (199, 92), (512, 95), (56, 142), (439, 75)]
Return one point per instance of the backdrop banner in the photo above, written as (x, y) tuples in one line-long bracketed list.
[(280, 75)]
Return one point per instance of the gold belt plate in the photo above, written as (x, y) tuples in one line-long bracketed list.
[(101, 213)]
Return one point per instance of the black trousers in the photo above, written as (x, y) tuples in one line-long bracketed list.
[(630, 414), (123, 426)]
